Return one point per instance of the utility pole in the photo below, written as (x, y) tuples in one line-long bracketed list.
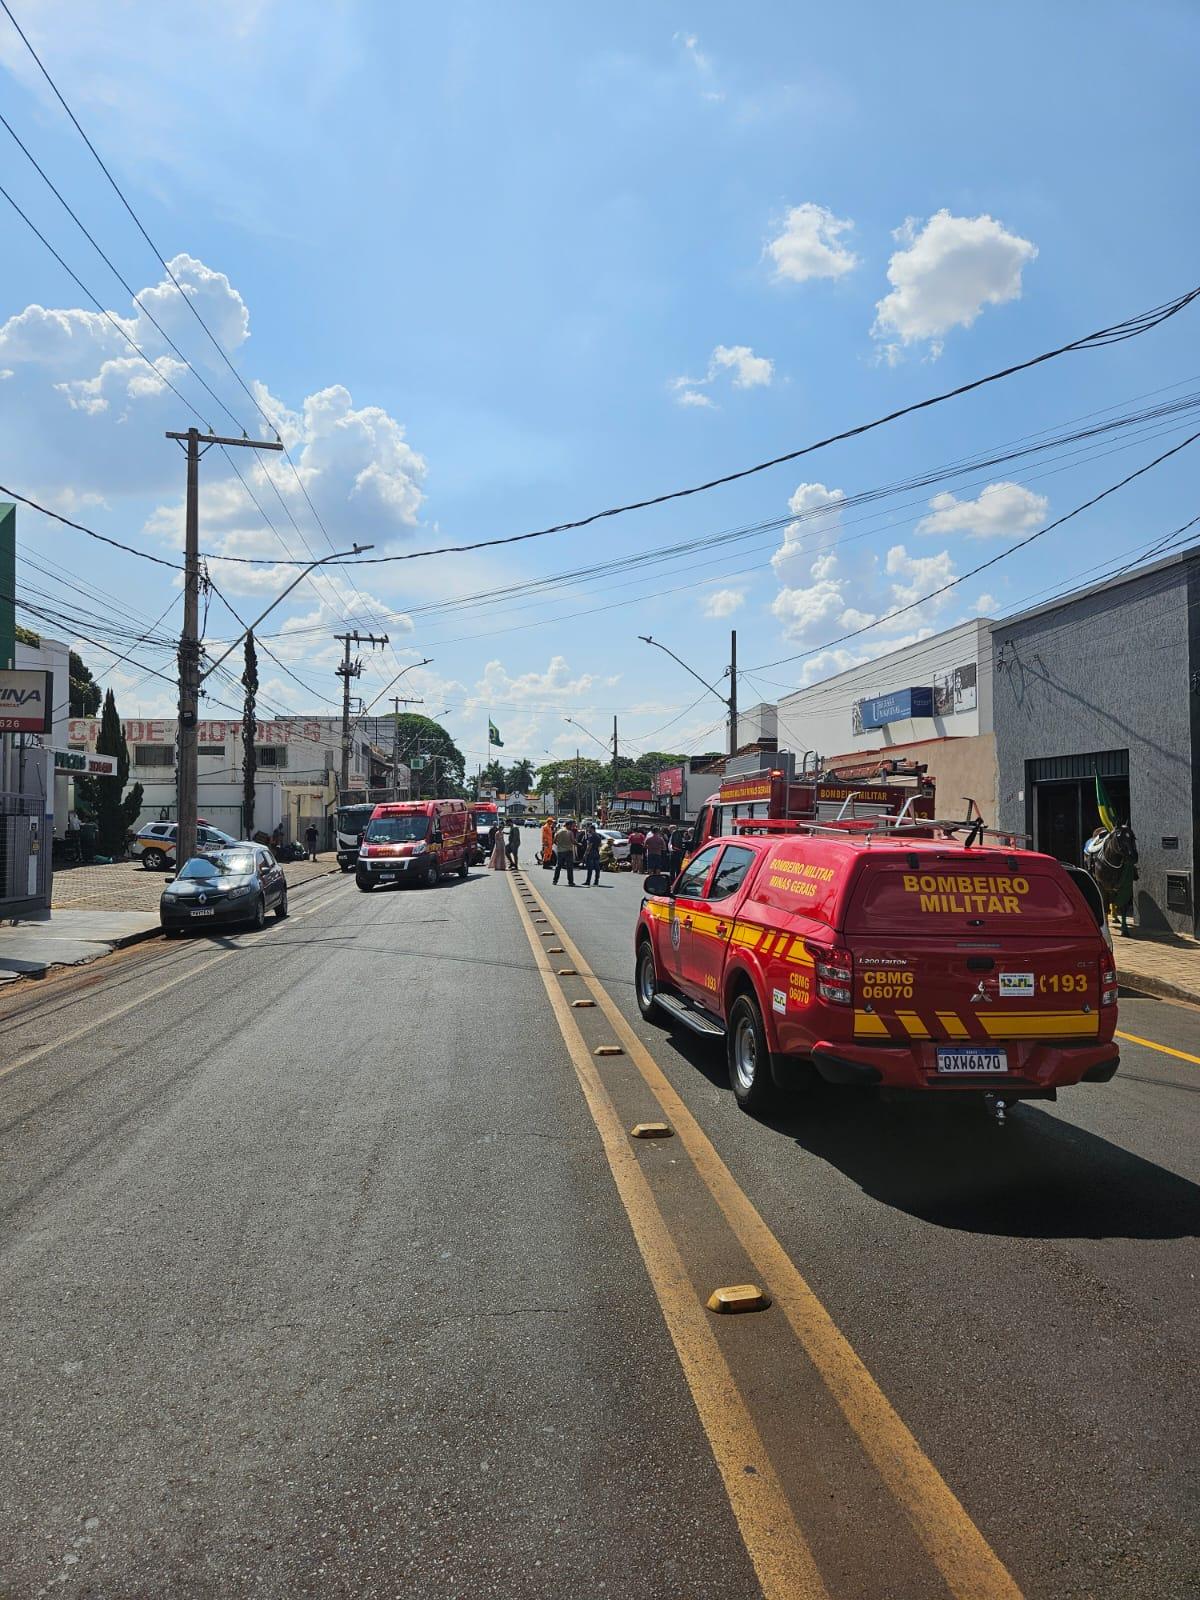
[(733, 710), (578, 786), (186, 772), (616, 777), (346, 670)]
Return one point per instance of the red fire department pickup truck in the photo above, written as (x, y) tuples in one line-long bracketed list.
[(869, 956)]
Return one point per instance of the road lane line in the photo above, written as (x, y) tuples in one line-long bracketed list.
[(1165, 1049), (969, 1565), (111, 1016), (773, 1540)]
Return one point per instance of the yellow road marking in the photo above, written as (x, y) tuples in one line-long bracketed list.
[(969, 1565), (1180, 1055), (780, 1554)]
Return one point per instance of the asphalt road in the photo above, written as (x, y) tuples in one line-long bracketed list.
[(328, 1269)]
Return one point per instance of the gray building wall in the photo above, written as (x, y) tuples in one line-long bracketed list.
[(1111, 670)]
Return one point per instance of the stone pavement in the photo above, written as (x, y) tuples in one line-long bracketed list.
[(1166, 964), (127, 886)]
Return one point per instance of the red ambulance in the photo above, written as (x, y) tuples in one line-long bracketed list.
[(413, 841), (918, 958)]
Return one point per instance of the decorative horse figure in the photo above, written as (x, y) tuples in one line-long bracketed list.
[(1112, 860)]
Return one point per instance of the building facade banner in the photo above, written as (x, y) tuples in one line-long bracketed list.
[(899, 706), (26, 700), (83, 731), (669, 781), (956, 691)]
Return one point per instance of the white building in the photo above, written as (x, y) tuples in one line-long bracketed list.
[(929, 702)]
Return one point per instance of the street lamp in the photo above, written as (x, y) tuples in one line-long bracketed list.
[(730, 672), (187, 777)]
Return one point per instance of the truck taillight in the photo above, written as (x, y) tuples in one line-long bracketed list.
[(1108, 984), (835, 972)]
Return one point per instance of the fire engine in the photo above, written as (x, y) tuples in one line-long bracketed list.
[(901, 790)]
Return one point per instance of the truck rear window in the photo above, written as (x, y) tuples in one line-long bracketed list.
[(923, 901)]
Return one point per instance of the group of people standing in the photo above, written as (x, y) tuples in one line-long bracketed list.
[(659, 850), (572, 846), (503, 847)]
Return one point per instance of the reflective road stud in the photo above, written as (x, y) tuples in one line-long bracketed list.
[(739, 1297), (651, 1130), (608, 1050), (567, 972), (583, 1005)]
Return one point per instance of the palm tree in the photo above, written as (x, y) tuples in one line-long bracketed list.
[(520, 777)]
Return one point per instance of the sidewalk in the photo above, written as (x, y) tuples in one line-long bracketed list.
[(1167, 965), (127, 886), (29, 948)]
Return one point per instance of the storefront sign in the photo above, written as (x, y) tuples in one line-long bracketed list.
[(899, 706), (669, 781), (26, 701), (161, 730), (85, 762)]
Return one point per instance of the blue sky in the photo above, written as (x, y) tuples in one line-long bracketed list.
[(498, 267)]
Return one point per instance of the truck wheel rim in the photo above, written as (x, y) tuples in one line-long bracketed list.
[(646, 977), (745, 1053)]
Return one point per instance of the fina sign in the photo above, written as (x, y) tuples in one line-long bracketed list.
[(900, 706), (26, 701)]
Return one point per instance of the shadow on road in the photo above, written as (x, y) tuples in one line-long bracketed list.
[(1039, 1177)]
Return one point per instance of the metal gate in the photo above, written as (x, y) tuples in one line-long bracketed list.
[(25, 848)]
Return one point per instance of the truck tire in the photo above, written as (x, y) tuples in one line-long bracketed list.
[(154, 860), (364, 884), (645, 981), (462, 866), (749, 1056)]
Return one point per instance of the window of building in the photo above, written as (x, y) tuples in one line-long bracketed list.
[(211, 749), (271, 755), (154, 755)]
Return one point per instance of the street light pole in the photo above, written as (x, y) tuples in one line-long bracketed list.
[(728, 701), (186, 771)]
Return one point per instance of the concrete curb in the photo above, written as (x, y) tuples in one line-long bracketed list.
[(1157, 988)]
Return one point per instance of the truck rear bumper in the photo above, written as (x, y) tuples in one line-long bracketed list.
[(1033, 1068)]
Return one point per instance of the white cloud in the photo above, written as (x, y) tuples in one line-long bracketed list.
[(985, 603), (798, 609), (917, 575), (748, 372), (690, 45), (817, 523), (555, 685), (809, 245), (724, 602), (1001, 510), (945, 274)]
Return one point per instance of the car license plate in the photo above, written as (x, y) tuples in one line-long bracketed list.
[(969, 1062), (387, 877), (209, 911)]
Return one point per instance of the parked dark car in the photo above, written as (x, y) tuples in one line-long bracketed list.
[(240, 884)]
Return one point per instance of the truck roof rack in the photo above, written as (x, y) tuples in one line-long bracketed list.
[(884, 825)]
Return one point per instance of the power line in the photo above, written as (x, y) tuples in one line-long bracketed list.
[(129, 550), (1003, 555), (1116, 333), (267, 650)]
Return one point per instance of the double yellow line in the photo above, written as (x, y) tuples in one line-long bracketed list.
[(770, 1531)]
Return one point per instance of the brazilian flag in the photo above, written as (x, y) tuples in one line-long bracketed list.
[(1108, 816), (494, 736)]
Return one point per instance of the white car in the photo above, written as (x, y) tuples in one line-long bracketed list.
[(155, 843), (620, 844)]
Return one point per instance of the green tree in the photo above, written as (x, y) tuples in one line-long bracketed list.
[(442, 775), (492, 776), (85, 691), (249, 726), (103, 800), (519, 777), (576, 785)]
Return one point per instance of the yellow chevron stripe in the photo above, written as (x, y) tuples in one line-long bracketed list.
[(913, 1024), (868, 1022), (744, 933), (799, 954), (953, 1024)]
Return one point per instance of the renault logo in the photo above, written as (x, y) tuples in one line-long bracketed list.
[(204, 901)]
